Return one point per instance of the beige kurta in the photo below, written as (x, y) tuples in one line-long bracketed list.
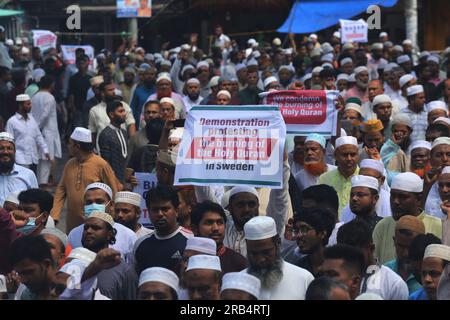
[(75, 178)]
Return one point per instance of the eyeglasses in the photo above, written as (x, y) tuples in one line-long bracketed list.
[(301, 230)]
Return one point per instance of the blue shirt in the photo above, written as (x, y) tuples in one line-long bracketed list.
[(140, 96), (418, 295), (19, 179), (411, 282)]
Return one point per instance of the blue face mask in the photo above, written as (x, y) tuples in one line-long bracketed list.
[(29, 227), (88, 209)]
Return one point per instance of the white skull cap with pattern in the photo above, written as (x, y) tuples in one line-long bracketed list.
[(241, 281), (203, 261), (100, 185), (81, 134), (158, 274), (132, 198), (260, 228), (201, 244)]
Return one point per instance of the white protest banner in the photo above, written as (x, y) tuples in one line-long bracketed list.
[(232, 145), (68, 53), (353, 31), (44, 39), (306, 111), (146, 181)]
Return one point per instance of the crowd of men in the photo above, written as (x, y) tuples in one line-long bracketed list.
[(360, 215)]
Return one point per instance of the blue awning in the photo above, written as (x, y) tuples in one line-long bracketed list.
[(314, 15)]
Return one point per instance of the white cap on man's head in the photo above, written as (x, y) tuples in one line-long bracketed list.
[(381, 98), (276, 42), (415, 89), (203, 261), (243, 189), (269, 80), (37, 74), (365, 181), (81, 134), (439, 141), (433, 58), (193, 81), (6, 136), (95, 81), (260, 228), (437, 251), (382, 34), (445, 170), (405, 79), (372, 164), (201, 244), (214, 81), (347, 140), (403, 58), (360, 69), (376, 46), (436, 105), (167, 100), (241, 281), (102, 216), (316, 70), (22, 98), (318, 138), (420, 144), (224, 93), (163, 76), (346, 60), (158, 274), (132, 198), (407, 181), (101, 186), (401, 118)]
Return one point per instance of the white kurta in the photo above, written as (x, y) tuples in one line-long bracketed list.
[(44, 112), (292, 286), (387, 284), (433, 203), (305, 180)]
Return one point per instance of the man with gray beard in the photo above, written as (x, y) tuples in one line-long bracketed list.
[(362, 83), (279, 280)]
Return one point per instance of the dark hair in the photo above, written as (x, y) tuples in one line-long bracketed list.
[(114, 233), (355, 233), (327, 73), (152, 102), (153, 130), (34, 248), (320, 219), (164, 193), (419, 244), (77, 50), (439, 127), (323, 195), (41, 197), (206, 206), (107, 81), (352, 256), (320, 288), (46, 81), (84, 57), (113, 105)]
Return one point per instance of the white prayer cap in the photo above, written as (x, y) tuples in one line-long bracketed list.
[(353, 106), (403, 58), (316, 138), (401, 118), (224, 93), (269, 81), (37, 74), (185, 47), (372, 164), (376, 45), (102, 216), (347, 46), (241, 281), (351, 78), (317, 70), (167, 100), (22, 97), (18, 41), (326, 48), (347, 140), (383, 34), (243, 189), (6, 136), (382, 64), (252, 62), (166, 63), (436, 105), (117, 92), (424, 54), (149, 56), (82, 254), (95, 81), (415, 89), (239, 66), (381, 98), (346, 60), (251, 42), (420, 144), (446, 170), (369, 296), (405, 79), (407, 41), (390, 66), (193, 81), (163, 76), (9, 42), (287, 67), (99, 185), (157, 55), (442, 119), (306, 77), (433, 58), (360, 69), (388, 44), (439, 141), (81, 134), (365, 181), (337, 34), (13, 197), (24, 50), (203, 261), (176, 134), (327, 57), (202, 64), (437, 251), (342, 76), (57, 233), (139, 49), (186, 68), (260, 228), (313, 36), (128, 197), (407, 181), (158, 274), (327, 65), (201, 244), (214, 81), (398, 48), (276, 42)]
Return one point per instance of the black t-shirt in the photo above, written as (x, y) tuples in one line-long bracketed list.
[(79, 86)]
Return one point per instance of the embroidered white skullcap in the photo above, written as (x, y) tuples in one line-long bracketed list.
[(398, 48), (201, 244), (347, 140), (22, 97), (346, 60), (347, 46), (100, 185), (167, 100), (193, 81), (82, 254), (241, 281), (81, 134), (317, 70), (439, 141), (353, 106), (287, 67), (276, 42), (6, 136), (260, 228), (102, 216), (424, 54), (203, 261), (342, 76), (316, 138), (401, 118), (351, 78), (57, 233), (327, 57), (224, 93), (360, 69), (381, 98), (390, 66), (446, 170), (37, 74), (202, 64), (436, 105), (405, 79), (252, 62), (403, 58), (306, 77), (158, 274), (407, 181), (176, 134), (243, 189), (372, 164), (442, 119), (239, 66), (214, 81), (365, 181), (382, 34), (376, 45), (95, 81), (415, 89), (269, 80), (13, 197), (327, 65), (163, 76), (128, 197), (337, 34), (433, 58), (420, 144), (437, 251)]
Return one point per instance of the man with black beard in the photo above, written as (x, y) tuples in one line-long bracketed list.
[(113, 140), (14, 177), (279, 280), (127, 212), (143, 91), (192, 98), (362, 83)]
